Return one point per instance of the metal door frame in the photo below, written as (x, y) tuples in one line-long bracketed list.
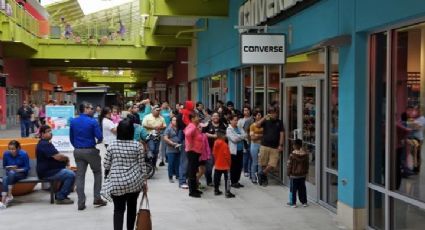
[(319, 83)]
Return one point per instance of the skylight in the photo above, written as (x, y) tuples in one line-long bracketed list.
[(93, 6), (48, 2)]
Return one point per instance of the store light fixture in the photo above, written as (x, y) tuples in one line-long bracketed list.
[(66, 60), (129, 61)]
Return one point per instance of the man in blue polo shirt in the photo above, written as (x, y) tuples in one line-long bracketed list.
[(51, 165), (84, 134)]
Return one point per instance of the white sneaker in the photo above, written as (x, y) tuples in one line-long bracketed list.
[(305, 205), (9, 199), (2, 206), (293, 206), (184, 186)]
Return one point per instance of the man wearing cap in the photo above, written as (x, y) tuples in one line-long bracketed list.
[(154, 124)]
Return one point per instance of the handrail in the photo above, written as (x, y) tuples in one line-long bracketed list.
[(21, 17)]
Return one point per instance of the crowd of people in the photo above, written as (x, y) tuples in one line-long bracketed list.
[(195, 142)]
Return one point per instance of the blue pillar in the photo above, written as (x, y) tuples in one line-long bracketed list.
[(231, 86), (352, 122)]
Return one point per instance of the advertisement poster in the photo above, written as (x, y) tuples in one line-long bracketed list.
[(59, 118)]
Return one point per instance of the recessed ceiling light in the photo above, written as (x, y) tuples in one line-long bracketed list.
[(129, 61), (66, 60)]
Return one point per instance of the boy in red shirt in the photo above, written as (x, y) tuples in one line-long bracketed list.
[(222, 158)]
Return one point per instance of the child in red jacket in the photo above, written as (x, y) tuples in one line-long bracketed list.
[(222, 158)]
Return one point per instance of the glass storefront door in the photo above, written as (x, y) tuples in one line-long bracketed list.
[(303, 105)]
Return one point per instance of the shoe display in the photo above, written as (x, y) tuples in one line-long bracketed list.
[(64, 201), (100, 202)]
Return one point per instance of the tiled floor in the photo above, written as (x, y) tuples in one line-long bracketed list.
[(253, 208)]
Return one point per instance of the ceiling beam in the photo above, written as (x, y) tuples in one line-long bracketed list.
[(191, 8)]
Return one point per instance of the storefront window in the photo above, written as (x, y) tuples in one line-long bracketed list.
[(273, 83), (407, 216), (334, 110), (259, 88), (378, 108), (310, 64), (376, 210), (408, 175), (247, 81)]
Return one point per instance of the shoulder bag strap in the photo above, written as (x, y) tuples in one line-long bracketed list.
[(144, 196)]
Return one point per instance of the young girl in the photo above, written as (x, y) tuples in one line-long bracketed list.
[(298, 164), (116, 118), (222, 164), (16, 163)]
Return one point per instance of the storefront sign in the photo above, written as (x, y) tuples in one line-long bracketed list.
[(255, 12), (263, 49), (58, 118)]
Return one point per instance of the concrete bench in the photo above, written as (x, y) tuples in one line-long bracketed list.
[(33, 178)]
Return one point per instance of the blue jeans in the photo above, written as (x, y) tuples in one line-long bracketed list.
[(247, 161), (173, 164), (183, 166), (255, 168), (25, 127), (11, 178), (67, 177), (162, 150), (153, 147)]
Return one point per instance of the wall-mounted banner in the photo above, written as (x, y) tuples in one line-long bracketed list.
[(58, 118), (263, 49)]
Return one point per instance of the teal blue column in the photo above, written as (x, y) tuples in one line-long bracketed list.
[(200, 90), (352, 122), (231, 86)]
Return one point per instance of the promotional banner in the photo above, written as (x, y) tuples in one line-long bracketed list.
[(59, 118), (263, 49)]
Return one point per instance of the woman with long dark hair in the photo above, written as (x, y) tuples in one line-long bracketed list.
[(109, 129), (125, 174)]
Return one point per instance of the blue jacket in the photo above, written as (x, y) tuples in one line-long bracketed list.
[(84, 131), (21, 160)]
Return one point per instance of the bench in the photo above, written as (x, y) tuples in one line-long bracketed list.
[(32, 178)]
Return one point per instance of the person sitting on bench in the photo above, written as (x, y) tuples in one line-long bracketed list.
[(52, 165), (16, 164)]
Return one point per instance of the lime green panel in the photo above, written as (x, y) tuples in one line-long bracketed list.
[(103, 79), (11, 32), (164, 40), (171, 30), (195, 8), (110, 52)]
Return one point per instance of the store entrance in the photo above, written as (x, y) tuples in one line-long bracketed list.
[(303, 106)]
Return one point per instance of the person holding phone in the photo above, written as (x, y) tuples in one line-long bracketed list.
[(16, 163)]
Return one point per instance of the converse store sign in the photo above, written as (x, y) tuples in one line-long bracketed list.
[(263, 49), (255, 12)]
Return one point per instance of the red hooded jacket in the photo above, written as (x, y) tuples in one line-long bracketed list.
[(188, 109)]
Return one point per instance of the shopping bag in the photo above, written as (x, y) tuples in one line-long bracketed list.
[(144, 221)]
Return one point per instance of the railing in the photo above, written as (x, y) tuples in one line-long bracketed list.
[(20, 16)]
